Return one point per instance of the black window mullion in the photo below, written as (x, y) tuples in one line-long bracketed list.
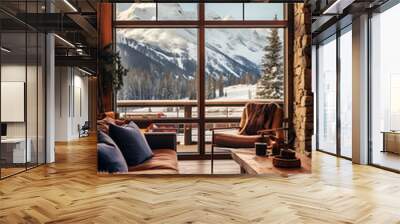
[(243, 11), (156, 11), (26, 87), (338, 95), (37, 90), (317, 97)]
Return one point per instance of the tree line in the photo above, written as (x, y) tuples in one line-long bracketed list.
[(142, 85)]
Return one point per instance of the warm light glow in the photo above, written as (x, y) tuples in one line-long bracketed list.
[(70, 5), (5, 50), (64, 40), (84, 71), (337, 7)]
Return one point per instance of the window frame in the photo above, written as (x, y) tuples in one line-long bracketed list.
[(40, 45), (201, 24), (378, 10)]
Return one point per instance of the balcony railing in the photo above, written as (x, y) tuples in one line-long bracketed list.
[(184, 114), (183, 110)]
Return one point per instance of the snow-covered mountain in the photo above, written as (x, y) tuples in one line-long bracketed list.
[(229, 52)]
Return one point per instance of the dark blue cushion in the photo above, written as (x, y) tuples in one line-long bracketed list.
[(109, 156), (104, 138), (132, 125), (110, 159), (132, 143)]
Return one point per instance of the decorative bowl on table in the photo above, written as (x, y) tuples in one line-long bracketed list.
[(286, 159)]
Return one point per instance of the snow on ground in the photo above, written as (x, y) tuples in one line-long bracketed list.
[(235, 92), (238, 92)]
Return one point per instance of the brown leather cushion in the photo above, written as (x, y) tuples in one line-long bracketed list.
[(257, 116), (164, 161), (236, 140), (111, 114), (103, 124), (277, 123)]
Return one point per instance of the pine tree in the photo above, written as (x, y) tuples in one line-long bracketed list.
[(221, 86), (210, 87), (270, 85)]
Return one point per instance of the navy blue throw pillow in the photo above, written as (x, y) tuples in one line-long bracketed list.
[(132, 144), (104, 138), (109, 157), (132, 125)]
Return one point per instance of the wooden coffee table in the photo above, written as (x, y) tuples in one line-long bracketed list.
[(252, 164)]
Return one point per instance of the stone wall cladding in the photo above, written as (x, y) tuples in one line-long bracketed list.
[(303, 95)]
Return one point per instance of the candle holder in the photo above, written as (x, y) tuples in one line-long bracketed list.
[(261, 148)]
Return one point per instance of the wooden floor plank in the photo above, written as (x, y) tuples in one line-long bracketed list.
[(70, 191)]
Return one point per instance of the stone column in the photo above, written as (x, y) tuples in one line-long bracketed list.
[(303, 96)]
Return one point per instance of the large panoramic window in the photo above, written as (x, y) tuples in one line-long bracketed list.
[(327, 96), (385, 89), (173, 69)]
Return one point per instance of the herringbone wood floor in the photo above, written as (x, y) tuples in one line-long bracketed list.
[(71, 192)]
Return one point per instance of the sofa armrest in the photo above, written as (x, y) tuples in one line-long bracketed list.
[(161, 140)]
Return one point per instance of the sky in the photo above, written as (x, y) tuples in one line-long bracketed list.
[(253, 11)]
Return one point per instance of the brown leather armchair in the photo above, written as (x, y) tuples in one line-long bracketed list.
[(260, 122)]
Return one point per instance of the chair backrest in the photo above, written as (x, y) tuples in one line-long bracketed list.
[(86, 125), (276, 121)]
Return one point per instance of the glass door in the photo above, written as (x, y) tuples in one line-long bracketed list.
[(326, 101), (346, 92), (334, 94), (14, 144)]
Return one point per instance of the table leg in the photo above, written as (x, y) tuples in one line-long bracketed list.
[(212, 159), (384, 143), (242, 170)]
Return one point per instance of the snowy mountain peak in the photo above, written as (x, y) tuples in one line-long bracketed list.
[(147, 11), (229, 52), (138, 12)]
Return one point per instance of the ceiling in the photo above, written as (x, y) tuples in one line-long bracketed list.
[(74, 22), (337, 14)]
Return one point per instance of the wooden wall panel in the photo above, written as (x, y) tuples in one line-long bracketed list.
[(105, 29)]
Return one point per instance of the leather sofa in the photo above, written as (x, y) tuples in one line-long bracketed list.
[(164, 160), (163, 145)]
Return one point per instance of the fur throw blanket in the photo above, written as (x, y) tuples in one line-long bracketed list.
[(256, 117)]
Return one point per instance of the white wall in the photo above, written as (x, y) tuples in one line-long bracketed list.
[(14, 73), (71, 102), (33, 126), (17, 73)]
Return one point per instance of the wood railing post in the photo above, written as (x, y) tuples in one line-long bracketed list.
[(188, 127)]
